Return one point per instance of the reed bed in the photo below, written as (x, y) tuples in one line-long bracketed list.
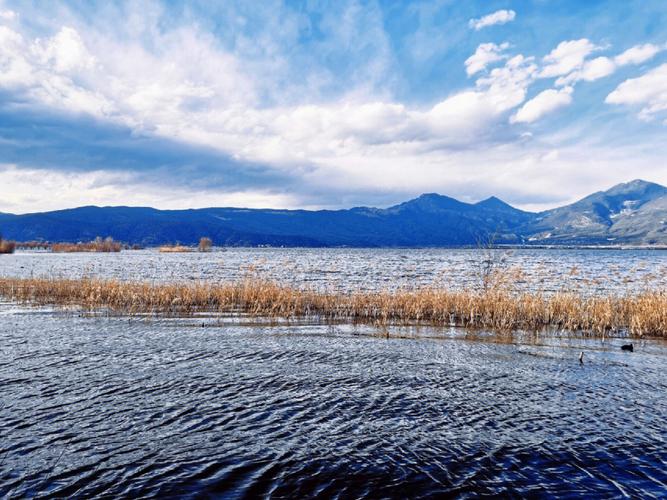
[(107, 245), (639, 314)]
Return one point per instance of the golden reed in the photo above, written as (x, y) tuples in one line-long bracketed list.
[(638, 314), (107, 245), (175, 249), (7, 246)]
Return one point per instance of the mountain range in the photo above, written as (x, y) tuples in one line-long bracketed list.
[(633, 213)]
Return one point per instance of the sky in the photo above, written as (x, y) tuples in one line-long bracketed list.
[(313, 104)]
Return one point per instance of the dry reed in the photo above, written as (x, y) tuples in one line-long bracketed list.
[(7, 246), (205, 244), (106, 245), (640, 314), (175, 249)]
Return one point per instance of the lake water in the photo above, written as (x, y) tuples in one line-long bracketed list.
[(361, 269), (240, 407)]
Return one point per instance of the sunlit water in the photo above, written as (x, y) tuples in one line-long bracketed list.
[(233, 406), (353, 269)]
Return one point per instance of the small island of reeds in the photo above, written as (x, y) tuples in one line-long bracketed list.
[(205, 245), (106, 245), (175, 249), (7, 246)]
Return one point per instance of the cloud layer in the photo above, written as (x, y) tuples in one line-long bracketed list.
[(165, 106)]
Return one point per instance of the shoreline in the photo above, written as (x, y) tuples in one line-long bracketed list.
[(500, 246)]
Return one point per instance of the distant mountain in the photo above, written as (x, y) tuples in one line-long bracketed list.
[(629, 213), (632, 213)]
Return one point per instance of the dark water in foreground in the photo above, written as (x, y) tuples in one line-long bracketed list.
[(111, 407)]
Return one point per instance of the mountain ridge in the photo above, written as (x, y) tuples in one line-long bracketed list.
[(628, 213)]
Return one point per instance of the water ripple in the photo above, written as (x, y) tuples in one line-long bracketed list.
[(346, 269), (106, 407)]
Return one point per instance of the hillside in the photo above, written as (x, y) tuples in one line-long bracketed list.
[(630, 213)]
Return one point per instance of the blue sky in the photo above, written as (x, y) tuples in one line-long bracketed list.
[(309, 104)]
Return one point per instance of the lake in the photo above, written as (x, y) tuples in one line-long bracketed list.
[(92, 405), (360, 269)]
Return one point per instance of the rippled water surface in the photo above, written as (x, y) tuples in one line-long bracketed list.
[(96, 406), (234, 406), (350, 269)]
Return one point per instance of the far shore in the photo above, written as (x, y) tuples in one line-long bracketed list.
[(79, 248)]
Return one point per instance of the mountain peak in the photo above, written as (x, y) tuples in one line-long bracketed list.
[(431, 202), (494, 203), (637, 186), (433, 197)]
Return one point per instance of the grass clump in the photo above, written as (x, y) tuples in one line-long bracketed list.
[(205, 244), (496, 308), (7, 246)]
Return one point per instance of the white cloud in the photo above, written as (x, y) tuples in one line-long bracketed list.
[(590, 71), (499, 17), (65, 51), (600, 67), (543, 103), (485, 54), (506, 86), (125, 83), (195, 92), (566, 57), (597, 68), (648, 90), (638, 54), (8, 15), (43, 70), (15, 69)]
